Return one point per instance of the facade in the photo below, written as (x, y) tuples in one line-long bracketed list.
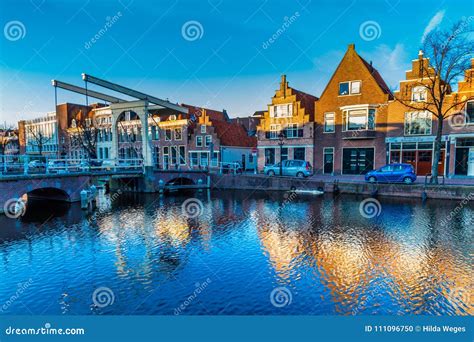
[(9, 142), (39, 136), (411, 133), (286, 129), (460, 146), (215, 139), (351, 117)]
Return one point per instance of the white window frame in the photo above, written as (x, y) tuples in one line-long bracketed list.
[(276, 111), (333, 114), (293, 128), (206, 143), (419, 94), (199, 137), (203, 129), (274, 131), (409, 116), (180, 129), (350, 92)]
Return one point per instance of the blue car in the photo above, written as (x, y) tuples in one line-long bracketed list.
[(392, 173)]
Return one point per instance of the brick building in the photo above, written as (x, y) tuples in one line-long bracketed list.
[(351, 118), (286, 129)]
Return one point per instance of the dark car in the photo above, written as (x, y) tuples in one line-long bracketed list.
[(392, 173)]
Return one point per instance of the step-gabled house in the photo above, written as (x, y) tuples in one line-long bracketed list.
[(286, 129)]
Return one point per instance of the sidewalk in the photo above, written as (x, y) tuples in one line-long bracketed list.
[(419, 179)]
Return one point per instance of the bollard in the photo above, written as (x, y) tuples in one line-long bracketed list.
[(161, 186), (84, 199)]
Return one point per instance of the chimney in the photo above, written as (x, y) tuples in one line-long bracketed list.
[(283, 79), (351, 46), (420, 54)]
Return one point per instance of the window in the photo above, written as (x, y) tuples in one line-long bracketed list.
[(174, 155), (344, 88), (355, 87), (470, 112), (172, 117), (269, 156), (299, 153), (419, 94), (194, 158), (281, 111), (360, 119), (204, 159), (284, 153), (329, 126), (199, 141), (274, 131), (349, 88), (182, 155), (167, 134), (203, 129), (418, 123), (178, 134), (292, 131), (214, 159), (208, 140)]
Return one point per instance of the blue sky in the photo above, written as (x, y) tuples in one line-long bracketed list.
[(229, 64)]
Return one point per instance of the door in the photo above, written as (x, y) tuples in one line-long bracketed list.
[(328, 167), (423, 166), (470, 162), (357, 161)]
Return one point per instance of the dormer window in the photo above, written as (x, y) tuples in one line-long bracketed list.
[(419, 94), (349, 88)]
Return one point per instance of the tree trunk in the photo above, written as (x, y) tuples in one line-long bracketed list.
[(437, 151)]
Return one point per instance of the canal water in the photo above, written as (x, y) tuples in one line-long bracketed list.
[(239, 253)]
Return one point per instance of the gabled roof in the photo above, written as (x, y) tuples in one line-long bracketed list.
[(373, 72), (233, 134)]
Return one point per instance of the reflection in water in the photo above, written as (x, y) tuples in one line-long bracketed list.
[(333, 260)]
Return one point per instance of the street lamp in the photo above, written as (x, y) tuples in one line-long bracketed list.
[(281, 138)]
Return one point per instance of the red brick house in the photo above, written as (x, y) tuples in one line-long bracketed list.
[(351, 118)]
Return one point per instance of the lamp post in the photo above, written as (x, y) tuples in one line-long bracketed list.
[(281, 137)]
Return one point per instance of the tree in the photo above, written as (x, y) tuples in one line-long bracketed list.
[(85, 135), (37, 138), (449, 54)]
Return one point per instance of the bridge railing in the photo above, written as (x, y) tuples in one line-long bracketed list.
[(33, 165)]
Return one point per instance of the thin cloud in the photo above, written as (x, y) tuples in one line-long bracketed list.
[(434, 22)]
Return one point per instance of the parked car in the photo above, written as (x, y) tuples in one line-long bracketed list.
[(232, 167), (57, 166), (36, 165), (392, 173), (293, 168)]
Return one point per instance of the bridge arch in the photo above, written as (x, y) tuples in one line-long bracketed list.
[(49, 193)]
